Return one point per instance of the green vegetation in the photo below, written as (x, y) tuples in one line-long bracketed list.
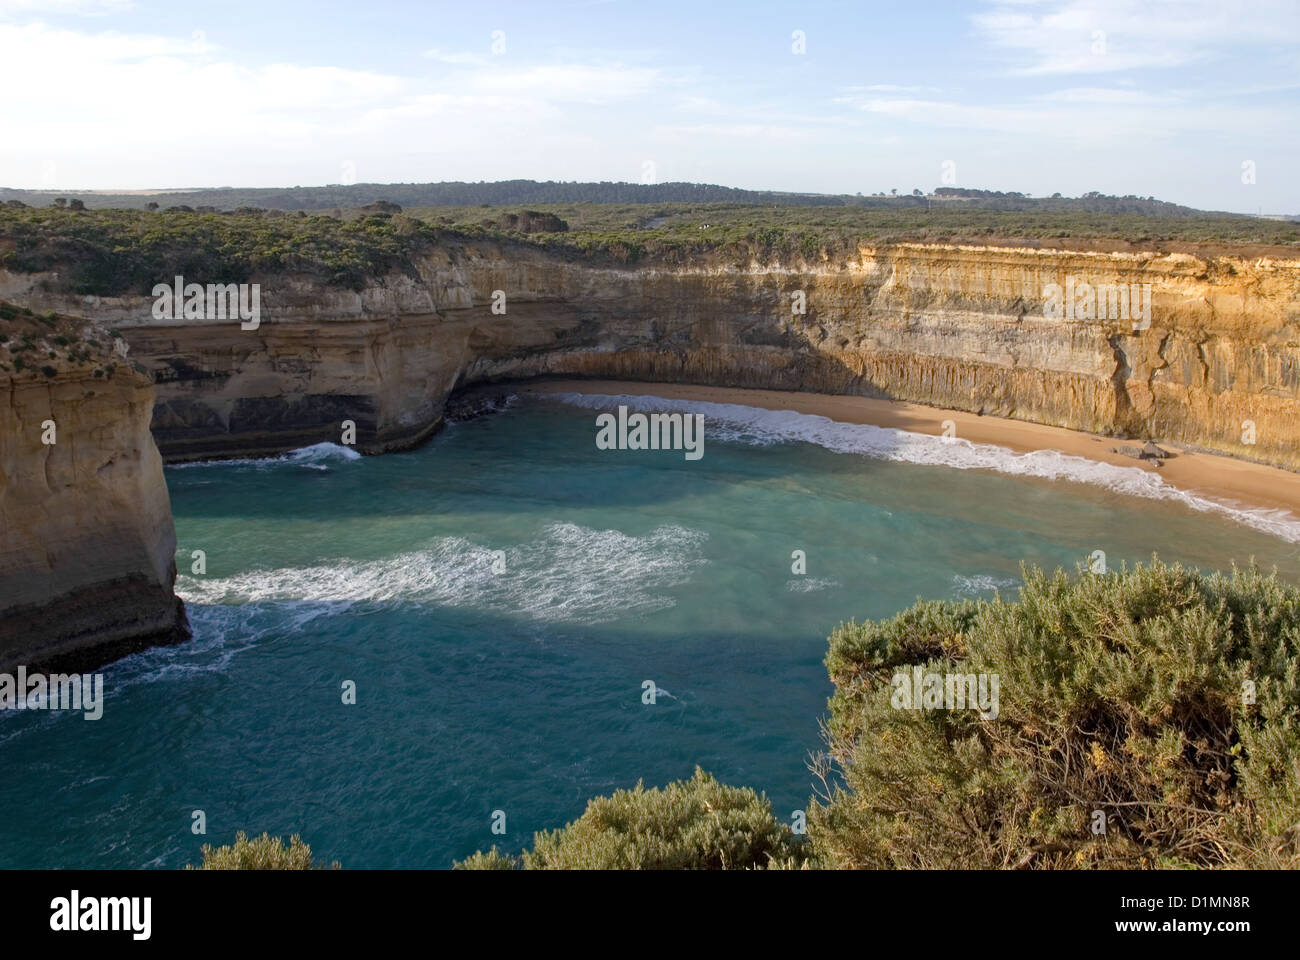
[(1167, 699), (494, 859), (696, 824), (501, 193), (115, 252), (509, 193), (54, 337), (108, 252), (262, 853), (629, 233), (1147, 718)]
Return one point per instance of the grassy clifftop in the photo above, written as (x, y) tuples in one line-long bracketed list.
[(678, 231), (34, 346), (110, 252), (113, 252)]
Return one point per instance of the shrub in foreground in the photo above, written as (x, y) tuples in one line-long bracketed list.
[(1146, 718), (696, 824), (261, 853)]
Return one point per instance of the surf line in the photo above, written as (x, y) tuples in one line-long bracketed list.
[(655, 431)]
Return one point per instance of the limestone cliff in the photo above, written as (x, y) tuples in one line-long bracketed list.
[(86, 553), (960, 327), (87, 544)]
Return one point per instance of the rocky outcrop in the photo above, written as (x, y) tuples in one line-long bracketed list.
[(961, 327), (530, 221), (87, 546)]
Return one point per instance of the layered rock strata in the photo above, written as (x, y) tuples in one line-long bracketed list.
[(87, 546), (963, 327), (86, 558)]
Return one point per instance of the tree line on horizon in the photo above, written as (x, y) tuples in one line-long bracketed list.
[(512, 192)]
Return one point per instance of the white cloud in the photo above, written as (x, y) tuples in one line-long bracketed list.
[(85, 8), (1104, 36), (453, 57), (1104, 95), (139, 110), (147, 109), (1094, 115), (768, 133), (572, 82), (895, 88)]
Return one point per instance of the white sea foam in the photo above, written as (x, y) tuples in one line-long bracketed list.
[(569, 573), (219, 635), (321, 453), (316, 457), (804, 584), (742, 424), (981, 583)]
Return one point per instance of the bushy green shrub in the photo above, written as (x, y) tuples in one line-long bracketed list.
[(261, 853), (1164, 700), (739, 232), (696, 824), (494, 859)]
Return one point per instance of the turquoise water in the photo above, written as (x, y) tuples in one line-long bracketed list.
[(519, 688)]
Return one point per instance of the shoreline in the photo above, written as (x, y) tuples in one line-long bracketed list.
[(1235, 483)]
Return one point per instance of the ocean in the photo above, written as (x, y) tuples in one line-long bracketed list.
[(501, 603)]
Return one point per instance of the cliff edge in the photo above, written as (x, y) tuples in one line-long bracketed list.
[(1199, 348), (1203, 351), (87, 545)]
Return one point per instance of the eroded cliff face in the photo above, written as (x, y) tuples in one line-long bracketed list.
[(86, 538), (960, 327), (87, 546)]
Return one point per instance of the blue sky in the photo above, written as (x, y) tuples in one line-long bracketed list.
[(1151, 97)]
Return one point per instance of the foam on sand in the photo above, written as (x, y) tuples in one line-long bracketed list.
[(737, 423)]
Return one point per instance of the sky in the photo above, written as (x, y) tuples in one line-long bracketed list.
[(1192, 101)]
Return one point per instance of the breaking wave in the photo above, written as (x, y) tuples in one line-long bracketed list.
[(981, 583), (736, 423), (569, 573), (316, 457)]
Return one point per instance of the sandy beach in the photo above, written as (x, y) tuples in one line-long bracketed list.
[(1225, 479)]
